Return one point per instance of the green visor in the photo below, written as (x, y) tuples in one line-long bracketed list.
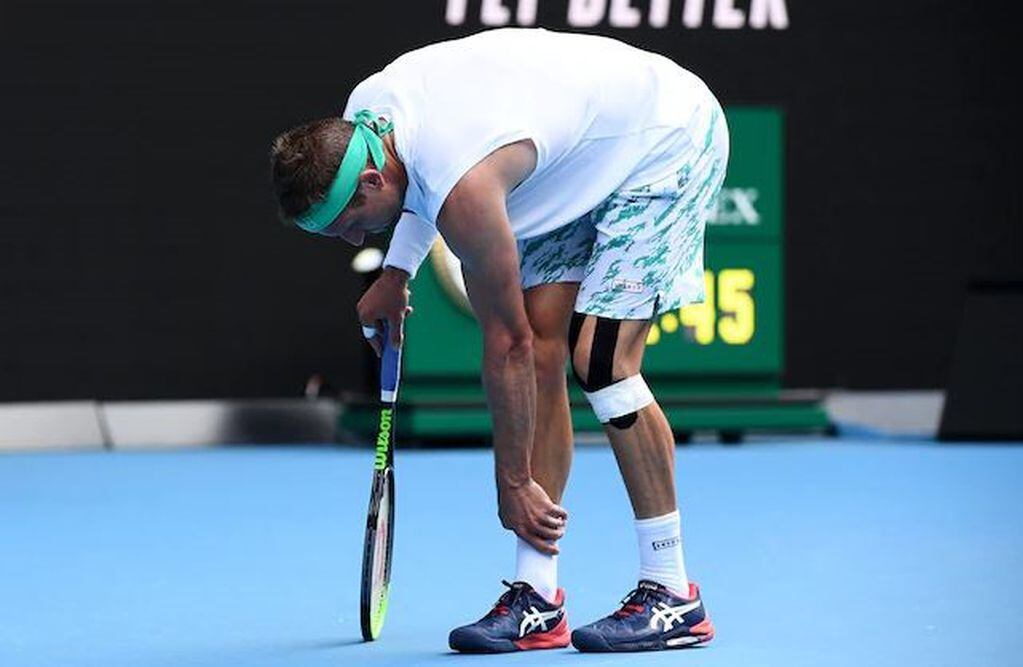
[(367, 139)]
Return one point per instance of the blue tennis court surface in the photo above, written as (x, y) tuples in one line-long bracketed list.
[(848, 552)]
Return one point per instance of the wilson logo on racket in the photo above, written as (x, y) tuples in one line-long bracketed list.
[(383, 440)]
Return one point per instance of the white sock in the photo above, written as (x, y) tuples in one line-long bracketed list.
[(536, 569), (660, 552)]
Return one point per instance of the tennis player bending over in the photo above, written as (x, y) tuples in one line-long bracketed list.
[(572, 175)]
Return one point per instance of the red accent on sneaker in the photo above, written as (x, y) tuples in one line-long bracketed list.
[(704, 629), (629, 610), (556, 637)]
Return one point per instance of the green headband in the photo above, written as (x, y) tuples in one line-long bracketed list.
[(367, 139)]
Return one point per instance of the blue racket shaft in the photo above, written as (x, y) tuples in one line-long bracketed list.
[(390, 368)]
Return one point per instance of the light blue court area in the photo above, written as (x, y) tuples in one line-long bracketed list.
[(848, 552)]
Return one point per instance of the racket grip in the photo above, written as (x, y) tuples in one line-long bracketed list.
[(390, 368)]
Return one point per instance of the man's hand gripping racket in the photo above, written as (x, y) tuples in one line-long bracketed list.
[(376, 554)]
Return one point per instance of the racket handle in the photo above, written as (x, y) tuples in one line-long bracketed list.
[(390, 368)]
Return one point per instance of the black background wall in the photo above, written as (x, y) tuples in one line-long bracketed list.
[(140, 256)]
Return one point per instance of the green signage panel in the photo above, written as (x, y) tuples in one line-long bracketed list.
[(751, 198)]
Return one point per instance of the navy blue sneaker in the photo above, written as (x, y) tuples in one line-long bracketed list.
[(652, 618), (521, 620)]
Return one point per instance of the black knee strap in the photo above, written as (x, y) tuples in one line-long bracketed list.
[(602, 355), (602, 352)]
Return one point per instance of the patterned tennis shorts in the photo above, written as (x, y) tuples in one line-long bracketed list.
[(640, 252)]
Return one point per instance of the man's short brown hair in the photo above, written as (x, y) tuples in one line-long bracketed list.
[(304, 162)]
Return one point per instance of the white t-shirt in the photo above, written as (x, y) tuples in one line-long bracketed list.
[(603, 115)]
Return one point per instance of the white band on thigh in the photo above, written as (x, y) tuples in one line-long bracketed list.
[(621, 398), (368, 331)]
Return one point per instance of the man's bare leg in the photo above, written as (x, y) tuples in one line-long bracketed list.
[(549, 308), (645, 451)]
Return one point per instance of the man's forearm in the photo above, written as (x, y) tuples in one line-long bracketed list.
[(508, 376)]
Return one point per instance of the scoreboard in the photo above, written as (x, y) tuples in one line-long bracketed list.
[(714, 366)]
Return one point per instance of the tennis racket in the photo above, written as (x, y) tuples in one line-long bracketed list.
[(376, 553)]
